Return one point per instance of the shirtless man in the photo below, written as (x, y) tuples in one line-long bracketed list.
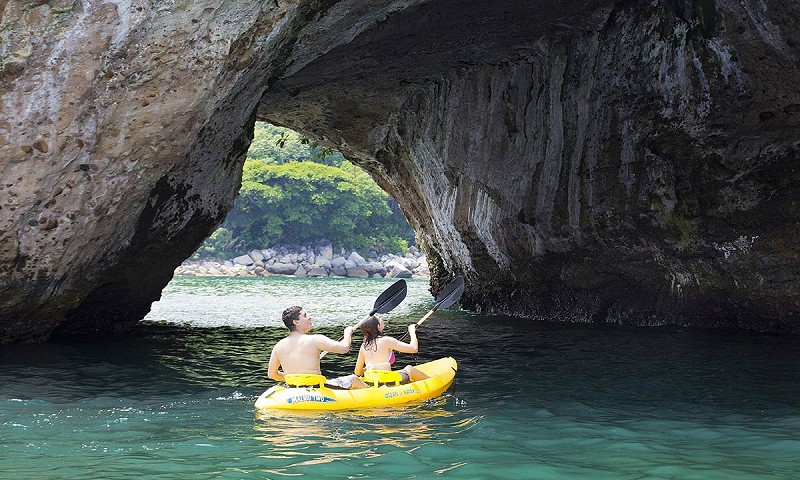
[(299, 352)]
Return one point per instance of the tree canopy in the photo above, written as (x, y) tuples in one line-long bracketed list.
[(274, 144), (297, 193)]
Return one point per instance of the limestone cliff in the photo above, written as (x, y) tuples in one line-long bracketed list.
[(631, 161), (634, 162)]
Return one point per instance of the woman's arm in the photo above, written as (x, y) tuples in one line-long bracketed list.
[(359, 362), (411, 347)]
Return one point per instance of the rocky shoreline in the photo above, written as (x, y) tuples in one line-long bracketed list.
[(308, 261)]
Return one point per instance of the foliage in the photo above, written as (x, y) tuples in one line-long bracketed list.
[(221, 242), (298, 202), (293, 192), (273, 144)]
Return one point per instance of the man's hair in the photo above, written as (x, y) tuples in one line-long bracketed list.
[(290, 315)]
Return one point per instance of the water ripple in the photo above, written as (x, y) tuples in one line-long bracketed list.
[(531, 399)]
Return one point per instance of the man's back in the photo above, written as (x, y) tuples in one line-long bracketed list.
[(299, 353)]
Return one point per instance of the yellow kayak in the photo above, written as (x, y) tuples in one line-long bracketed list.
[(320, 397)]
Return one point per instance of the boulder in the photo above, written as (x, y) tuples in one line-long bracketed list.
[(317, 272), (410, 263), (239, 271), (300, 272), (398, 271), (243, 260), (282, 268), (357, 272), (374, 267), (323, 262), (338, 262), (357, 259)]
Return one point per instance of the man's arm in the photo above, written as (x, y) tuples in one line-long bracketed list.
[(325, 344), (274, 363)]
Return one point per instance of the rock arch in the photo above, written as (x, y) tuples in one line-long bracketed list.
[(587, 161)]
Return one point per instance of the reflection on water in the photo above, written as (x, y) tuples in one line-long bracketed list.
[(310, 438)]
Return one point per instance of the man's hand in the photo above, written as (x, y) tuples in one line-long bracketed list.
[(348, 335)]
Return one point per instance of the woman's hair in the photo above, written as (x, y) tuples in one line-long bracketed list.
[(371, 333)]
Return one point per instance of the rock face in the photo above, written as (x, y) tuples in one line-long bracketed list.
[(634, 162), (122, 135), (628, 162)]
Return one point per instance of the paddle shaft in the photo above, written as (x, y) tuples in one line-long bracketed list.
[(448, 296), (421, 320), (390, 298), (427, 315)]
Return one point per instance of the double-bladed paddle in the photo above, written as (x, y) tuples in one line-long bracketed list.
[(386, 301), (390, 298), (447, 297)]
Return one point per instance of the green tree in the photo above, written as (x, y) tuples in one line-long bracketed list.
[(292, 195), (273, 144), (221, 242)]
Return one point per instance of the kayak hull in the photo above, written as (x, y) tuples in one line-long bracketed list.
[(280, 397)]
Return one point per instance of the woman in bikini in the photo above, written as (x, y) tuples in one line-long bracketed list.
[(377, 351)]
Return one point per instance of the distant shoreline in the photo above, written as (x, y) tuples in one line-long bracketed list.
[(317, 261)]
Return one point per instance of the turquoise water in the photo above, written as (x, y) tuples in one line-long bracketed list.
[(532, 400)]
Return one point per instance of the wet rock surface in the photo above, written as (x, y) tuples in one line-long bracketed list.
[(626, 162)]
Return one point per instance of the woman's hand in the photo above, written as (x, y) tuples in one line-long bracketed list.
[(412, 328)]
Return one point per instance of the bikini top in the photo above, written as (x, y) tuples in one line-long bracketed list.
[(388, 363)]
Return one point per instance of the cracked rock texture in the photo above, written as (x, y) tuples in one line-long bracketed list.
[(632, 162)]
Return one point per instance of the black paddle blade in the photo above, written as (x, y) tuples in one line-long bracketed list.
[(390, 298), (451, 293)]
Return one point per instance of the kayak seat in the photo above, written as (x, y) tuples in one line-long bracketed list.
[(382, 377), (304, 380)]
